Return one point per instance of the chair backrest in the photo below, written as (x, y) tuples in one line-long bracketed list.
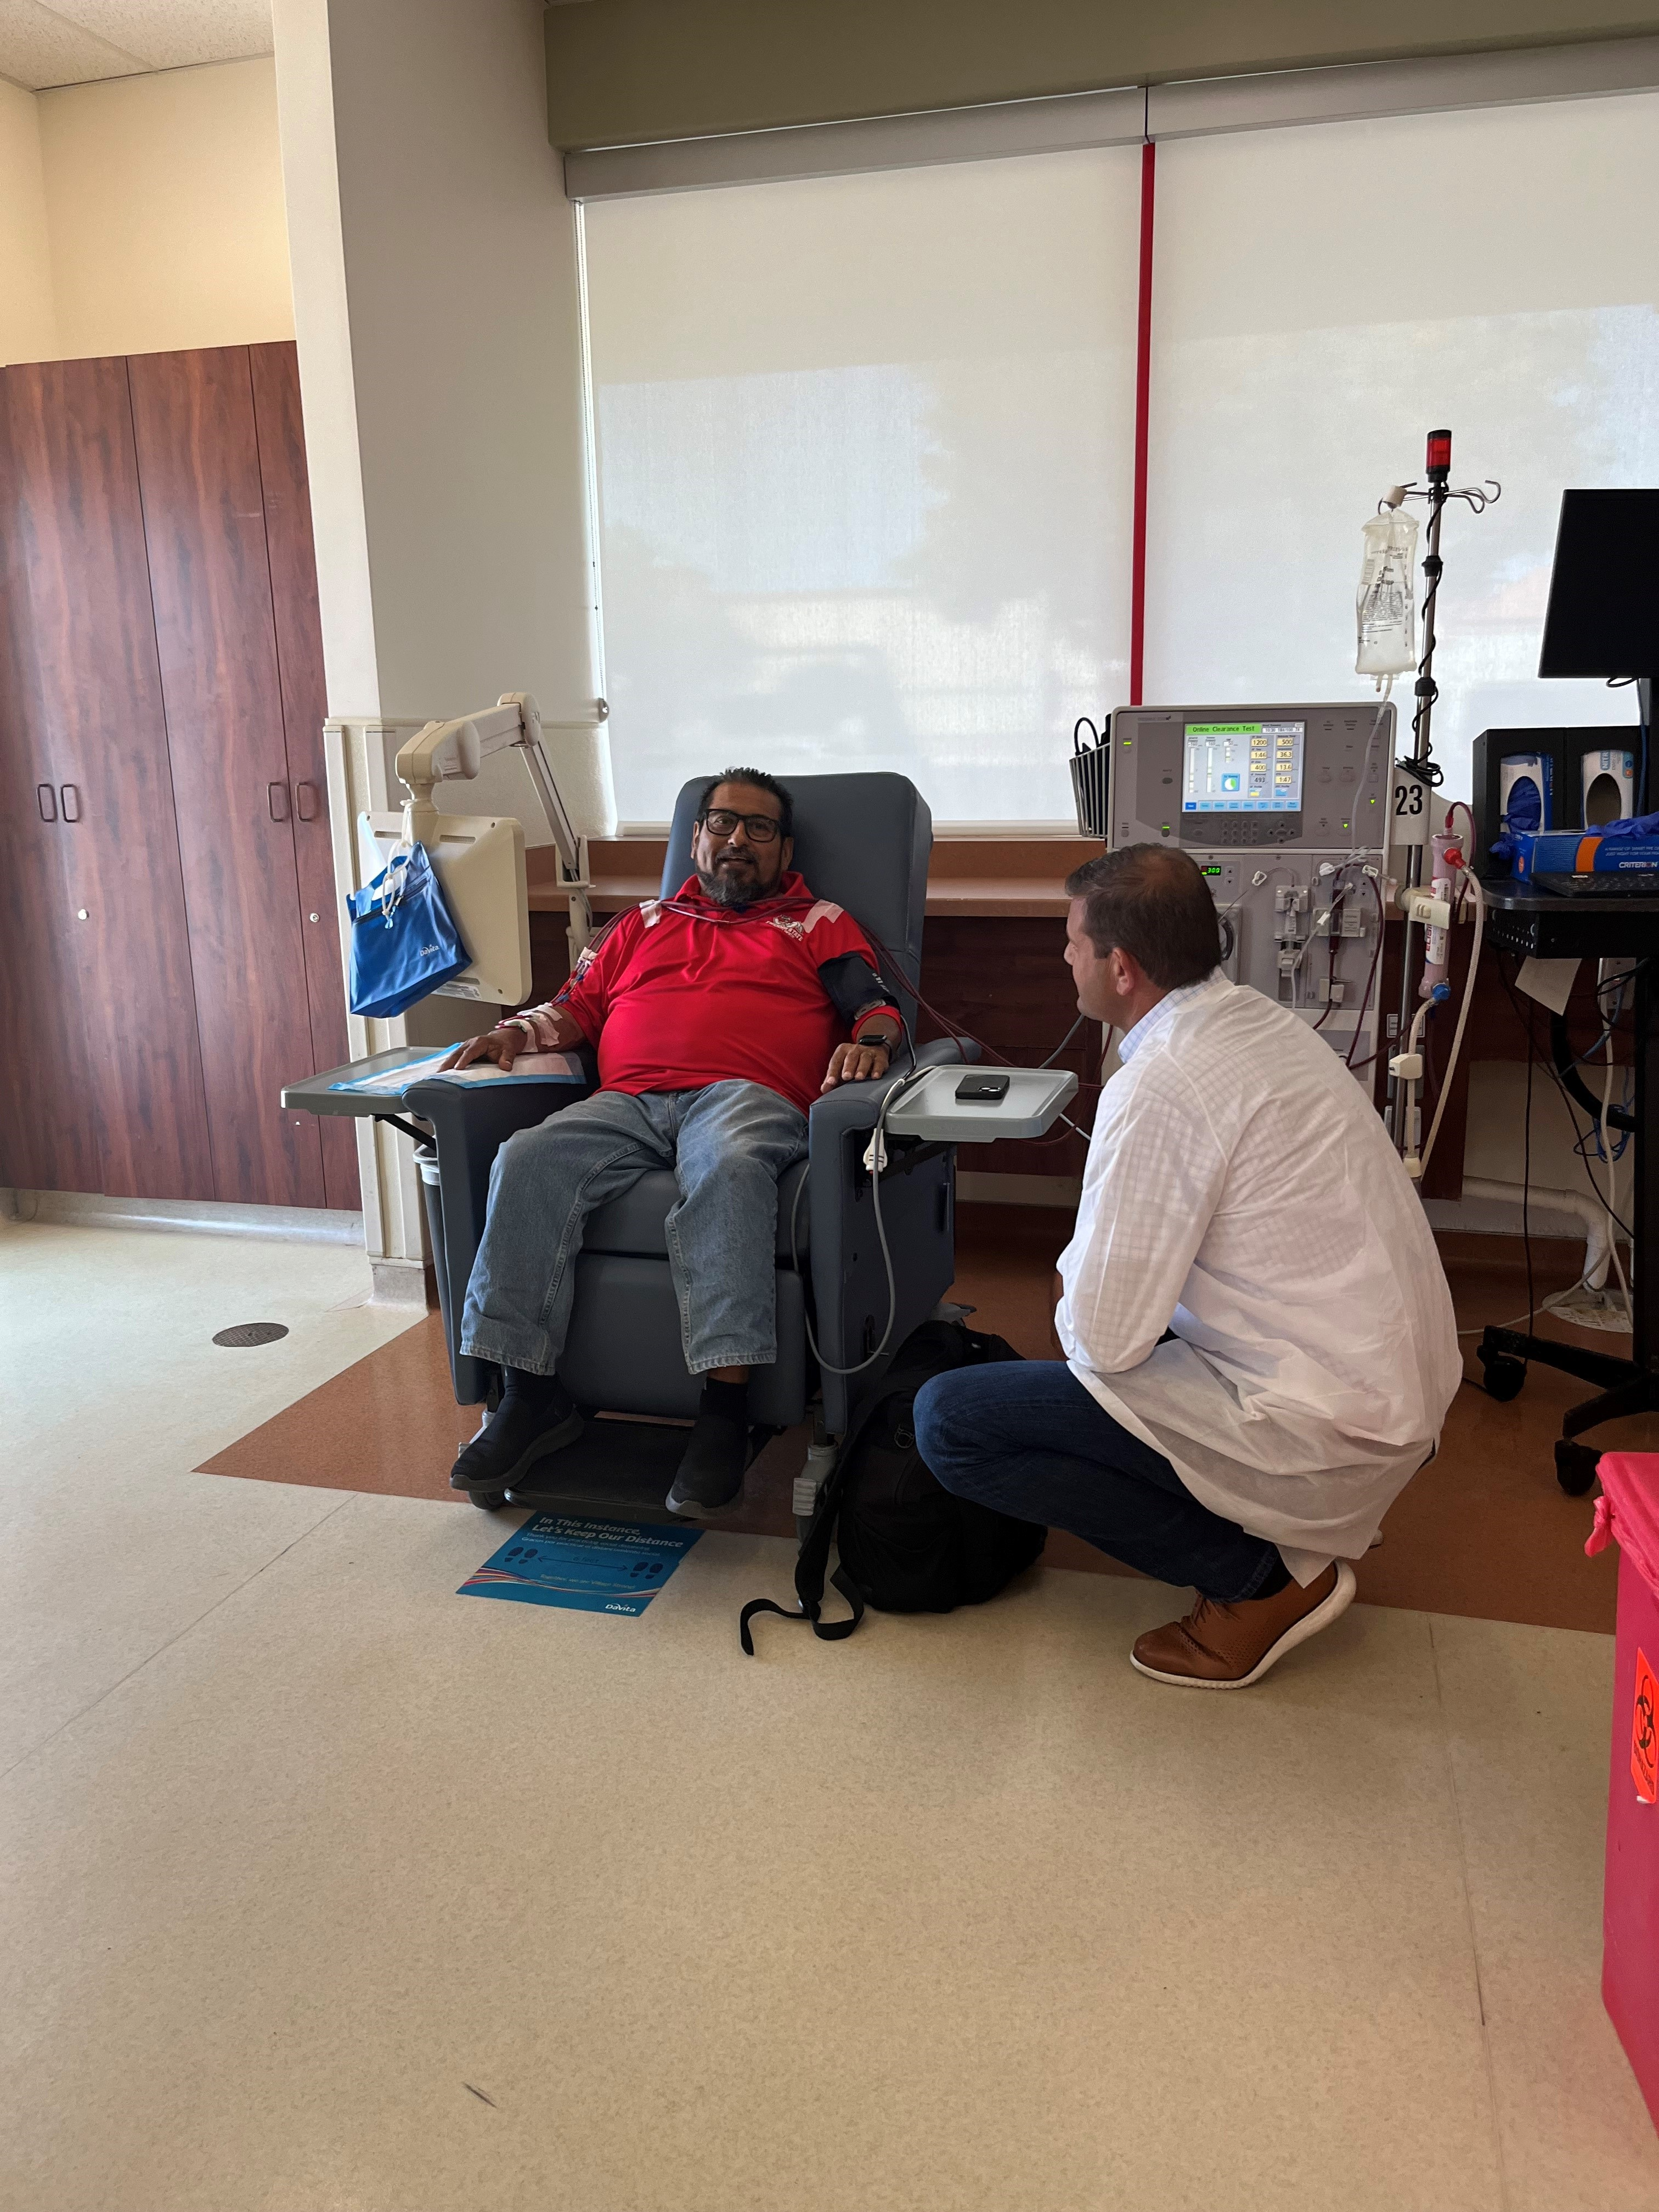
[(862, 841)]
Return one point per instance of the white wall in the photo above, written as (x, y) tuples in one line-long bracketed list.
[(28, 319), (164, 200), (144, 215), (436, 301)]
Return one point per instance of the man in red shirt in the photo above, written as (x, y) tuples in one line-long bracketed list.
[(718, 1016)]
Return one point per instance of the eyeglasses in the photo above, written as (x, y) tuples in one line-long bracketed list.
[(761, 828)]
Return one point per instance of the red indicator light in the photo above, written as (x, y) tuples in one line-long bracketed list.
[(1439, 460)]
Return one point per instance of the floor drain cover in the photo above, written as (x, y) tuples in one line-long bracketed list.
[(247, 1332)]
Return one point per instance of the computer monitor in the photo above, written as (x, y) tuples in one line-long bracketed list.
[(1603, 616)]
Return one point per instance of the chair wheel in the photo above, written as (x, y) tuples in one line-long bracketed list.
[(487, 1501), (1503, 1375), (1575, 1466)]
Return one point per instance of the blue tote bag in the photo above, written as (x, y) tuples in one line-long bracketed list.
[(404, 938)]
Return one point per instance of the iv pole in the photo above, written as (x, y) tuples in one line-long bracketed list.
[(1418, 764)]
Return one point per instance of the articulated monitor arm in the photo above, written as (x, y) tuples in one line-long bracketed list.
[(444, 751)]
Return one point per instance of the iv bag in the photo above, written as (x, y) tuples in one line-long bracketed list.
[(1386, 603)]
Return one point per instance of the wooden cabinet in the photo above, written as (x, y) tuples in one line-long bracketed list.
[(163, 979)]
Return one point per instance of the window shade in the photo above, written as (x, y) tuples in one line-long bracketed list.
[(863, 451), (1326, 295)]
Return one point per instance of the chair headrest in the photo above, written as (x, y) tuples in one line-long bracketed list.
[(862, 841)]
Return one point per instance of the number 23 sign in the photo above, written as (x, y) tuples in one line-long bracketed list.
[(1411, 811)]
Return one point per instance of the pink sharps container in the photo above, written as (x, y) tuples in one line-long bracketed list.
[(1628, 1512)]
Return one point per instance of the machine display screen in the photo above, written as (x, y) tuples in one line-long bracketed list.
[(1243, 767)]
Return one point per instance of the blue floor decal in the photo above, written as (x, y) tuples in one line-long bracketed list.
[(587, 1566)]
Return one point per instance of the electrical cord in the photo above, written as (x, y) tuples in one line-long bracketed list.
[(957, 1035), (879, 1142), (1525, 1200), (1532, 1053), (1064, 1041), (1611, 1200)]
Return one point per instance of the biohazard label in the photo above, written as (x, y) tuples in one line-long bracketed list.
[(1644, 1731)]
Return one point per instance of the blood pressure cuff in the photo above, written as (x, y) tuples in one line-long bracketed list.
[(852, 987)]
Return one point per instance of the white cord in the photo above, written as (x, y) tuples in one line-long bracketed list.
[(878, 1140), (1473, 884)]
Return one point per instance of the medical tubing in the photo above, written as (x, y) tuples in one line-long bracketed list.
[(1339, 891), (957, 1035), (1357, 851), (1474, 882), (1370, 978)]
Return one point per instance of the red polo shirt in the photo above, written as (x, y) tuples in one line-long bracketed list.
[(683, 993)]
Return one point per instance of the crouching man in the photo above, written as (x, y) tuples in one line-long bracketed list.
[(1259, 1344), (718, 1016)]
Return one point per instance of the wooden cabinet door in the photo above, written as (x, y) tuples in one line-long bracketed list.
[(48, 1132), (105, 874), (287, 489), (204, 526)]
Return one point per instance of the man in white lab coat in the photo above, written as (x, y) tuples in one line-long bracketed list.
[(1259, 1344)]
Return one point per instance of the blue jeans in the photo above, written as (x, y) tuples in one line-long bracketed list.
[(726, 1144), (1026, 1437)]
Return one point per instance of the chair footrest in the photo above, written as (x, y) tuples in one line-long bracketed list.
[(614, 1466)]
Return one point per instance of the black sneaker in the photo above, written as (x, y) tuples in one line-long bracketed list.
[(710, 1477), (529, 1424)]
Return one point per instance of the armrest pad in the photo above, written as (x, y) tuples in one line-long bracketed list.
[(949, 1052), (855, 1105)]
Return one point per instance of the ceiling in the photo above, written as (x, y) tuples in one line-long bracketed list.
[(77, 41)]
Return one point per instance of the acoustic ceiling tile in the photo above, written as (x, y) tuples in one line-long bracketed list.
[(38, 45), (173, 33)]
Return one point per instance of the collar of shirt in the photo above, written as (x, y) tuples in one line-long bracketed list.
[(1153, 1023)]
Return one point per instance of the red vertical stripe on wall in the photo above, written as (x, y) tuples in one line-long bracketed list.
[(1143, 409)]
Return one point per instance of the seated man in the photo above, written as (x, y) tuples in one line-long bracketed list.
[(1259, 1342), (716, 1014)]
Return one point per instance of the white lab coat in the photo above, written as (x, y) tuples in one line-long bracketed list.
[(1241, 1190)]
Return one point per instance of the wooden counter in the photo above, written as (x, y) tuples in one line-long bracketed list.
[(986, 877)]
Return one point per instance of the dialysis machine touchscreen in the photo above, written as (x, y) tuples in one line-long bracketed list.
[(1285, 810)]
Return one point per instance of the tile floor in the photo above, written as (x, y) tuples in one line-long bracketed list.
[(328, 1891)]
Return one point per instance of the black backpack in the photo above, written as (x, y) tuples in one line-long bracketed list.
[(907, 1545)]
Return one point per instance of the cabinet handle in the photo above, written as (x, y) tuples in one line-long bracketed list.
[(278, 795), (46, 800), (305, 801), (72, 803)]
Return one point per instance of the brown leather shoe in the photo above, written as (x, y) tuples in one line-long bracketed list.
[(1228, 1647)]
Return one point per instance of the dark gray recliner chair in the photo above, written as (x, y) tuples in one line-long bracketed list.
[(864, 841)]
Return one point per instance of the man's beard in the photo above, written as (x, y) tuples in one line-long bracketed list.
[(728, 887)]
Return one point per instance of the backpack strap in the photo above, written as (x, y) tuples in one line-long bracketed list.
[(813, 1559), (810, 1564)]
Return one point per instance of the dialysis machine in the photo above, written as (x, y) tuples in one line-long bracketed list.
[(1286, 810)]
